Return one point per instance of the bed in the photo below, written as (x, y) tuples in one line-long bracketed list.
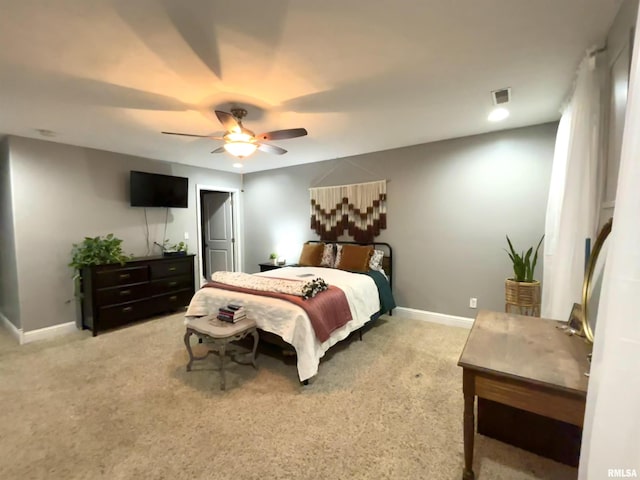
[(368, 295)]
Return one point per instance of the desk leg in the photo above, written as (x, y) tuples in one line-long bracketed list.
[(469, 423)]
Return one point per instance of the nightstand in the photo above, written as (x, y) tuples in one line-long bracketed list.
[(266, 266)]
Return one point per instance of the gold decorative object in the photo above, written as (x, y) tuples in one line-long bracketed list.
[(593, 283)]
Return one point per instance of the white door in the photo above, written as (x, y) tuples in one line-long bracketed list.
[(217, 232)]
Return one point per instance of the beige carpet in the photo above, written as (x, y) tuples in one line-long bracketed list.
[(122, 406)]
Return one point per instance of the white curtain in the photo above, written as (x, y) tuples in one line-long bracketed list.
[(612, 420), (574, 195)]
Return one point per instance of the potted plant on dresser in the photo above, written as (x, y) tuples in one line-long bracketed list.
[(95, 251), (522, 292), (176, 249)]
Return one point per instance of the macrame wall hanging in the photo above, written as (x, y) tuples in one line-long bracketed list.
[(359, 209)]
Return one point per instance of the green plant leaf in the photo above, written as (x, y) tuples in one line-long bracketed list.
[(95, 251), (523, 265), (527, 265), (511, 246), (535, 257)]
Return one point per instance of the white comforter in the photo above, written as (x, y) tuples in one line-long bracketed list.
[(289, 321)]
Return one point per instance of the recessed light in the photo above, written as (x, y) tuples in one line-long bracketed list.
[(237, 165), (498, 114)]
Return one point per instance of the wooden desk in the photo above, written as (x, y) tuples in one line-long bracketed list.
[(526, 363)]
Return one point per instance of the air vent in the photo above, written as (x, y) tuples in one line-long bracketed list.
[(501, 96)]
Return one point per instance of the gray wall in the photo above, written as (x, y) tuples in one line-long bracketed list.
[(63, 193), (614, 100), (450, 205), (9, 306)]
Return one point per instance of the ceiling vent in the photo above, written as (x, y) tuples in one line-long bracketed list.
[(502, 96)]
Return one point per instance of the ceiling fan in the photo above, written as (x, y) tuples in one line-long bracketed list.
[(242, 142)]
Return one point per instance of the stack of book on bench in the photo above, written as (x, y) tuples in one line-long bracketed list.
[(231, 313)]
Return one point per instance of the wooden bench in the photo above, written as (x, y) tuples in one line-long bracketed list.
[(220, 334)]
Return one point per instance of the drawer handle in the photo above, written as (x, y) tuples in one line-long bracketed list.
[(125, 292), (125, 275), (127, 309), (173, 284), (172, 269), (173, 298)]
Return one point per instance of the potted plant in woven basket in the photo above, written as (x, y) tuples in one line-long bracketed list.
[(522, 292)]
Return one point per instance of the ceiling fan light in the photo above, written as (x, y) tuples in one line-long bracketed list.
[(238, 137), (240, 149)]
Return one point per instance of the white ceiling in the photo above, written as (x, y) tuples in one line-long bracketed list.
[(360, 75)]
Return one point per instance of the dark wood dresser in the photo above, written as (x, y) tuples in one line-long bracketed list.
[(115, 295)]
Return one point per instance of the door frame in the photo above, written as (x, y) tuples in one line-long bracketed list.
[(236, 225)]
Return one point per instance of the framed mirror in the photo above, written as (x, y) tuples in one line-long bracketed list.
[(592, 285)]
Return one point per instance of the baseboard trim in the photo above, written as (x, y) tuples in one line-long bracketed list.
[(48, 332), (433, 317), (15, 331)]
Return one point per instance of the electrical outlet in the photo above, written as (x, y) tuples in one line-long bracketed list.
[(473, 302), (186, 235)]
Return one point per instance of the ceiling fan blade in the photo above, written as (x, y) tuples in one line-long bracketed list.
[(218, 150), (228, 121), (263, 147), (192, 135), (282, 134)]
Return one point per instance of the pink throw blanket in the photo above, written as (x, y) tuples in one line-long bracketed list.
[(328, 310)]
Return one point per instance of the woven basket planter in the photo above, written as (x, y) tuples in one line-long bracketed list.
[(522, 298)]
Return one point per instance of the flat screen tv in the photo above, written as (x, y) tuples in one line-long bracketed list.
[(155, 190)]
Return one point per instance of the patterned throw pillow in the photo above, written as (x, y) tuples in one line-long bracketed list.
[(376, 260), (328, 257), (338, 256)]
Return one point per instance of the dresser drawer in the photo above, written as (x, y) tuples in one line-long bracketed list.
[(121, 314), (172, 301), (117, 295), (171, 267), (112, 276), (171, 284)]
